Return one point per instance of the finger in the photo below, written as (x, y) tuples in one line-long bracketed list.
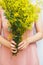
[(24, 47), (12, 45), (12, 48), (12, 42), (21, 46), (20, 43), (14, 51)]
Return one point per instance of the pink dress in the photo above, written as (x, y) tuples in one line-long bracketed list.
[(25, 57)]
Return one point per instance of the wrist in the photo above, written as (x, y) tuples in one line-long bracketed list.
[(28, 41)]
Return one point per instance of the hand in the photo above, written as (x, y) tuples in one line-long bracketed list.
[(23, 45), (13, 47)]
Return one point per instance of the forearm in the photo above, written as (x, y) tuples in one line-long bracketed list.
[(35, 38), (4, 42)]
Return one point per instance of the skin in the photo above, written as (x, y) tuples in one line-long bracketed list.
[(24, 43)]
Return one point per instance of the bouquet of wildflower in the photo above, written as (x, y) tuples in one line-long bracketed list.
[(20, 14)]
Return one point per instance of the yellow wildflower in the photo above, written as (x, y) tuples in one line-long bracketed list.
[(16, 14), (9, 36)]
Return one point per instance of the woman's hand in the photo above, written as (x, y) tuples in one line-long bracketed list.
[(13, 47), (23, 45)]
